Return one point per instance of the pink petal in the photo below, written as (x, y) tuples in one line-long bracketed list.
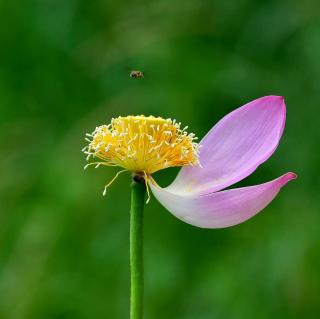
[(235, 146), (220, 209)]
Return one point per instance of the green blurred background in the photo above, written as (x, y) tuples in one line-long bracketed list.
[(64, 70)]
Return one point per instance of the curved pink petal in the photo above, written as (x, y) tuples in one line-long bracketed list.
[(220, 209), (235, 146)]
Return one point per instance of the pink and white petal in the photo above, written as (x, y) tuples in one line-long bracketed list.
[(221, 209), (235, 146)]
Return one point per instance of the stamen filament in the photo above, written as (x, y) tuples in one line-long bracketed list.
[(113, 179), (147, 186)]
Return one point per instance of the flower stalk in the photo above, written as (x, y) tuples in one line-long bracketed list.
[(138, 190)]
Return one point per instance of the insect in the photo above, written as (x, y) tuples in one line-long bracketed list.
[(136, 74)]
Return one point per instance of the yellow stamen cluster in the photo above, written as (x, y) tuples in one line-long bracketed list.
[(142, 144)]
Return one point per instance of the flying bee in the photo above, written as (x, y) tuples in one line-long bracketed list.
[(136, 74)]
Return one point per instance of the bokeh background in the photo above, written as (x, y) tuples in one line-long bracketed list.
[(64, 69)]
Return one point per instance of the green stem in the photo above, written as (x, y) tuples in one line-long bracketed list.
[(138, 190)]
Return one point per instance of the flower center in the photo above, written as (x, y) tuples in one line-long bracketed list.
[(143, 144)]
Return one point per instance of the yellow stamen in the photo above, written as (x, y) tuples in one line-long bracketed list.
[(143, 144), (97, 164), (113, 179), (147, 187)]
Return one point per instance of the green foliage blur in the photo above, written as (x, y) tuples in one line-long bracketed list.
[(64, 69)]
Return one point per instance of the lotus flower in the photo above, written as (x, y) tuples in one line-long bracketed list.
[(230, 151)]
